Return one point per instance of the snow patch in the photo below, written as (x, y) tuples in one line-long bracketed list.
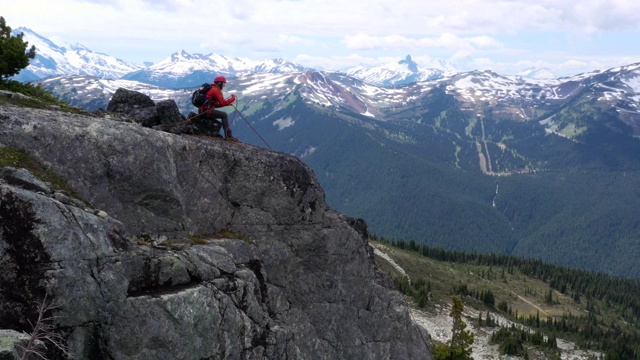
[(308, 152), (633, 83), (384, 255), (284, 123)]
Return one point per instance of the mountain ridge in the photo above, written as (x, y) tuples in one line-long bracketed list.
[(405, 71), (474, 161), (478, 92), (168, 72)]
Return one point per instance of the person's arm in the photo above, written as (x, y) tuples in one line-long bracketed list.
[(228, 101)]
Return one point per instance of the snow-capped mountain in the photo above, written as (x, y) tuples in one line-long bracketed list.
[(69, 59), (537, 73), (278, 66), (482, 94), (182, 69), (363, 91), (91, 92), (401, 72), (179, 70), (478, 93)]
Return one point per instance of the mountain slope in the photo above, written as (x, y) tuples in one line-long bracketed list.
[(419, 170), (591, 315)]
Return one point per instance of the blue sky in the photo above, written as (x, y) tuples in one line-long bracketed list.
[(509, 36)]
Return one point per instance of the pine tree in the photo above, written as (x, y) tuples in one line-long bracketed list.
[(13, 52), (548, 299), (459, 347)]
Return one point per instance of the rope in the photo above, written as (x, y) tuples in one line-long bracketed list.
[(191, 118), (188, 121), (251, 126)]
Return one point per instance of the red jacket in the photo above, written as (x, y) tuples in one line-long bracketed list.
[(216, 99)]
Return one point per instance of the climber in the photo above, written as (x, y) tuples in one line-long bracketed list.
[(215, 100)]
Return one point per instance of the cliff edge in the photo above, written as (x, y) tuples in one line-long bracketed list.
[(180, 247)]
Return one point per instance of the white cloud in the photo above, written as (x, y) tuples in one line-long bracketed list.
[(337, 34), (447, 40)]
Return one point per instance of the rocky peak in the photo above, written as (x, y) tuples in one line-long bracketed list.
[(411, 65), (182, 247)]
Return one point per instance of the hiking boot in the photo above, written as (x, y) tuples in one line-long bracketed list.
[(228, 135)]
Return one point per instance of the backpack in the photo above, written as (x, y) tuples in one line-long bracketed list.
[(199, 97)]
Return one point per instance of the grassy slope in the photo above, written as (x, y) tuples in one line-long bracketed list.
[(524, 295)]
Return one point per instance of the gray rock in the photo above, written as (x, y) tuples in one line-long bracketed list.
[(23, 178), (62, 197), (146, 116), (18, 96), (124, 101), (12, 344), (292, 280), (139, 108), (168, 112)]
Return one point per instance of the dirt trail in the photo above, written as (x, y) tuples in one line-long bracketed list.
[(532, 304), (537, 307)]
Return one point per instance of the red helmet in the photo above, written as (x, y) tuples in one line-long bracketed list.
[(220, 78)]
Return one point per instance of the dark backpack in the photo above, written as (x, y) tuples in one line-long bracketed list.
[(199, 97)]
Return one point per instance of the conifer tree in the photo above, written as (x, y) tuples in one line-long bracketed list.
[(13, 52), (459, 347)]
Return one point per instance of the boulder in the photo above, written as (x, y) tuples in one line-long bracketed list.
[(124, 101), (168, 113), (24, 178), (144, 111)]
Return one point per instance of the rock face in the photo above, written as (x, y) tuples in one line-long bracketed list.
[(186, 248)]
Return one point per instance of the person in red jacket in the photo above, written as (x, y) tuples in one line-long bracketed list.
[(215, 100)]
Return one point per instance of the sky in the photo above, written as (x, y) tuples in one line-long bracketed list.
[(565, 37)]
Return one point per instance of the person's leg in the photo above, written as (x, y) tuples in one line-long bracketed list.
[(218, 114)]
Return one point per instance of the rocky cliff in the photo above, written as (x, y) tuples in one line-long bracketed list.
[(173, 246)]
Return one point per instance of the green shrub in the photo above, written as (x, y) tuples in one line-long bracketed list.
[(44, 98)]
